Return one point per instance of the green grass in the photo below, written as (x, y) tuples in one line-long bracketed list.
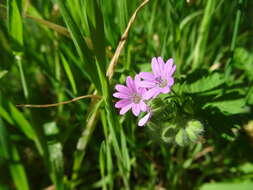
[(53, 51)]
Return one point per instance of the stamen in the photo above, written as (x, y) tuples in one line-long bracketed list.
[(161, 82), (136, 98)]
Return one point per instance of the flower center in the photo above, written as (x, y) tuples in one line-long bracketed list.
[(136, 98), (161, 82)]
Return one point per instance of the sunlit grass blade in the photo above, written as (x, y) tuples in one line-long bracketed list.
[(2, 73), (69, 74), (203, 33), (15, 27), (15, 24)]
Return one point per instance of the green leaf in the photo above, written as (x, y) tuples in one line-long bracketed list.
[(243, 60), (15, 24), (204, 84), (228, 186), (246, 168), (229, 107)]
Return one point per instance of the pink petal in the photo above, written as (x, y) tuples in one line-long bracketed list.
[(168, 67), (147, 76), (122, 89), (172, 70), (122, 103), (125, 109), (143, 106), (130, 83), (150, 93), (136, 109), (157, 92), (155, 67), (142, 91), (170, 81), (161, 65), (165, 90), (120, 95), (137, 79), (146, 84), (144, 120)]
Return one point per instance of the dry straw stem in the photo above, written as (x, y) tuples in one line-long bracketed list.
[(114, 61), (60, 29), (57, 104)]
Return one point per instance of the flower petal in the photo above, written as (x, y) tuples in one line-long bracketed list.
[(168, 67), (125, 109), (136, 109), (150, 93), (122, 103), (155, 67), (157, 92), (146, 84), (143, 106), (142, 91), (172, 70), (121, 95), (161, 65), (165, 90), (147, 76), (130, 83), (145, 119), (122, 89), (170, 81)]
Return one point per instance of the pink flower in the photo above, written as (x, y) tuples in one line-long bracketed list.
[(131, 96), (160, 81)]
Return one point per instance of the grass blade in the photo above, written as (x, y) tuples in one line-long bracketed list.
[(11, 154), (80, 44), (69, 73), (55, 155)]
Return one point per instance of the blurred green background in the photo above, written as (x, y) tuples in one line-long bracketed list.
[(55, 50)]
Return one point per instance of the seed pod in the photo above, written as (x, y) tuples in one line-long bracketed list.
[(168, 134), (194, 129), (182, 138)]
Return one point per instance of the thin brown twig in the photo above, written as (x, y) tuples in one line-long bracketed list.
[(114, 60), (56, 104), (204, 152)]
